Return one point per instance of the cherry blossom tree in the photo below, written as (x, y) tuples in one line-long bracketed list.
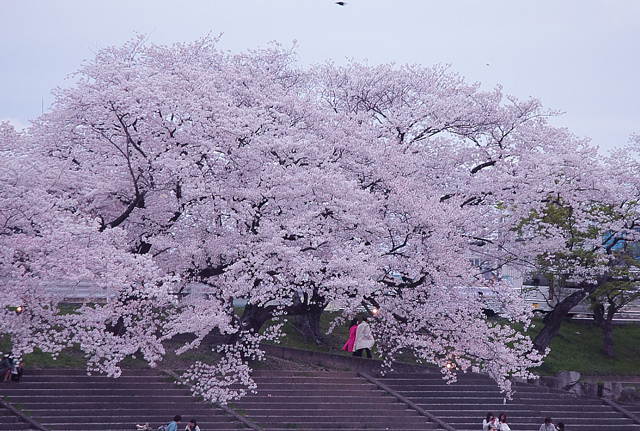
[(599, 227), (45, 241), (503, 161), (170, 168)]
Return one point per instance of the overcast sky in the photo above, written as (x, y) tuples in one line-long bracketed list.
[(578, 56)]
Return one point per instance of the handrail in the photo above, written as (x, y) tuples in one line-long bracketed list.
[(408, 402), (7, 405), (622, 410)]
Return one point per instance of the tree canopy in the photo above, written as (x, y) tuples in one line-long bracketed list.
[(164, 168)]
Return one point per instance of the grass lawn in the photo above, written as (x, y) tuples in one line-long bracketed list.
[(331, 343), (578, 347)]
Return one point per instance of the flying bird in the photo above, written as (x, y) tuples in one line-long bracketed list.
[(341, 3)]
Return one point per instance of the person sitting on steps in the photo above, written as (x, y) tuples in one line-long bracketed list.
[(192, 426), (488, 422), (547, 425), (173, 425), (502, 423)]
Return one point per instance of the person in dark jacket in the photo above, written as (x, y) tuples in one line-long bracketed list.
[(6, 365)]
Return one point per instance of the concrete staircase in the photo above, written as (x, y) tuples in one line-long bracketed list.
[(72, 400), (325, 401), (303, 400), (464, 404)]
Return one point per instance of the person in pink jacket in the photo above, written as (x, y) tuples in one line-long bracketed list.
[(348, 346)]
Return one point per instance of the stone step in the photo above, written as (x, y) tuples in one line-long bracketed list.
[(61, 373), (367, 427), (297, 379), (102, 391), (103, 400), (518, 407), (337, 385), (533, 421), (497, 399), (335, 418), (517, 426), (413, 377), (80, 409), (122, 418), (464, 387), (327, 406), (300, 374), (371, 415), (473, 394), (456, 414), (97, 405), (364, 391), (29, 377), (320, 412), (438, 378), (289, 398), (465, 399), (120, 426), (113, 384)]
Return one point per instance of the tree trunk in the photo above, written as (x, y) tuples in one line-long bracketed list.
[(605, 322), (607, 330), (555, 318), (308, 324), (254, 316), (252, 319), (607, 337), (118, 328)]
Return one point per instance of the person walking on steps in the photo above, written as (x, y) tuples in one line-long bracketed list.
[(353, 327), (364, 339)]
